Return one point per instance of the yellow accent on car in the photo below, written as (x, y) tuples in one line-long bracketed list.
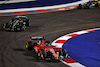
[(26, 46), (29, 22), (38, 54), (4, 26), (24, 28), (53, 51)]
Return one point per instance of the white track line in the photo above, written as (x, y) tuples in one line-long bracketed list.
[(43, 8)]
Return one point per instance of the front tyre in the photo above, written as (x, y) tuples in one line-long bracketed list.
[(62, 53), (27, 22), (43, 54)]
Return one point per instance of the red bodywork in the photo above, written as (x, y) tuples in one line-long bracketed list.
[(43, 45)]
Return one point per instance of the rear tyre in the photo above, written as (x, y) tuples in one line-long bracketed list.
[(12, 20), (29, 45), (80, 6)]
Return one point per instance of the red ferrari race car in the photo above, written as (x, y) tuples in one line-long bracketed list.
[(44, 50)]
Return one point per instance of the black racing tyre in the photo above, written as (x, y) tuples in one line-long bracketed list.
[(6, 25), (15, 29), (80, 6), (12, 20), (97, 5), (27, 22), (29, 45), (62, 52), (44, 53)]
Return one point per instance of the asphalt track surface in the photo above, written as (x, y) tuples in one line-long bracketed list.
[(51, 26)]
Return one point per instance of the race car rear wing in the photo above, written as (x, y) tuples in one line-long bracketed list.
[(21, 17), (37, 38)]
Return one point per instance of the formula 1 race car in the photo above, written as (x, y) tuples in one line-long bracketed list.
[(17, 24), (44, 50), (88, 5)]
